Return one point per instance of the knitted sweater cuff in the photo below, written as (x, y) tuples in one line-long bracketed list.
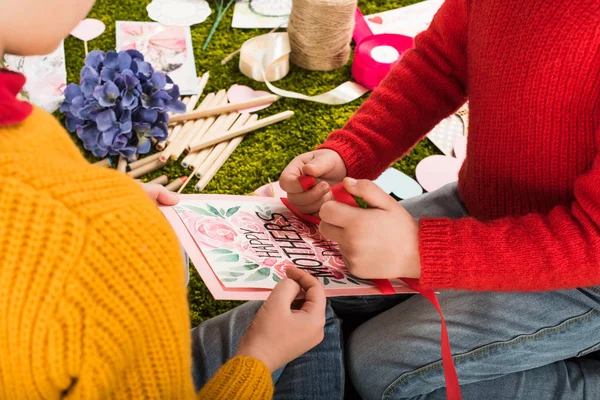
[(438, 269), (240, 378), (354, 155)]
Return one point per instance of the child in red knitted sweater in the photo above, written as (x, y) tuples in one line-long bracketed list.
[(520, 233)]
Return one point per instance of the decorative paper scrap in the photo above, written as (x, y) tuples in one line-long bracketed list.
[(444, 135), (436, 171), (168, 48), (398, 185), (178, 12), (244, 17), (241, 246), (409, 20), (46, 77), (240, 93)]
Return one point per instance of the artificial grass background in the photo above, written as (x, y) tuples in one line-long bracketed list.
[(262, 155)]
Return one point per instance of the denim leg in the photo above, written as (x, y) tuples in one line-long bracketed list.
[(505, 346), (317, 374)]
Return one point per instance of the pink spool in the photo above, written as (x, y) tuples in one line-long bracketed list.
[(375, 55)]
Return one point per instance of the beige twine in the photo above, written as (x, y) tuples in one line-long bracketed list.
[(320, 32)]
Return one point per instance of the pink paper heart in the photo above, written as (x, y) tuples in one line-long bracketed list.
[(238, 93), (88, 29), (460, 148), (436, 171), (271, 190), (376, 20)]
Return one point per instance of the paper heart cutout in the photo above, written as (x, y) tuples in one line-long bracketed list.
[(88, 29), (376, 20), (398, 185), (437, 171), (179, 12), (271, 190), (238, 93), (460, 148)]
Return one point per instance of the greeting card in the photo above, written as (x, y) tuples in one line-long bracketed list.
[(46, 77), (241, 246), (168, 48), (409, 20)]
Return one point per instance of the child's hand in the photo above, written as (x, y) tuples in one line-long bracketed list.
[(381, 242), (160, 195), (279, 333), (324, 164)]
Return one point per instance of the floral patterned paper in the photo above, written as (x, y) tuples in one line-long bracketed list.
[(168, 48), (250, 244)]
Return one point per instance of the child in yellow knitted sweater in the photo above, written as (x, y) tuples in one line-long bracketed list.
[(92, 295)]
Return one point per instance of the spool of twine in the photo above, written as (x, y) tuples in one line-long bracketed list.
[(320, 33)]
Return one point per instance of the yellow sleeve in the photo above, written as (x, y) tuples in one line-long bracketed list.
[(241, 378)]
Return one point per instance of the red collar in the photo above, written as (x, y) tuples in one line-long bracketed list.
[(12, 110)]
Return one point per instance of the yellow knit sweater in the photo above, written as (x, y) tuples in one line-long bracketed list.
[(92, 297)]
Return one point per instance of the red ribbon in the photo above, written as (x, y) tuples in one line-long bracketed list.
[(340, 194), (365, 69)]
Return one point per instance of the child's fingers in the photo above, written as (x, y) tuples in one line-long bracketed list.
[(372, 194), (315, 301), (339, 214), (283, 295), (321, 163), (311, 196), (159, 194), (166, 198), (331, 232), (288, 181)]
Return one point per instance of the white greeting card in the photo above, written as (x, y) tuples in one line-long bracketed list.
[(168, 48)]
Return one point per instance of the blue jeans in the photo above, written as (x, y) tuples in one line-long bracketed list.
[(317, 374), (506, 345)]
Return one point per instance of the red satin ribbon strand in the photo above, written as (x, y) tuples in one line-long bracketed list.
[(361, 28), (384, 285), (297, 213), (307, 181), (452, 386)]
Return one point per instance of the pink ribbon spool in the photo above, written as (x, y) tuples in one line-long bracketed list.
[(388, 47)]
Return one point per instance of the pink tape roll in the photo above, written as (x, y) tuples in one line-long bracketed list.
[(375, 55)]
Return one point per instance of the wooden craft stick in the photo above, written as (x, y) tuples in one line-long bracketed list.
[(133, 158), (200, 159), (161, 180), (106, 163), (261, 123), (201, 84), (122, 164), (143, 170), (143, 161), (216, 166), (218, 149), (162, 144), (188, 130), (258, 101), (172, 145), (177, 183), (189, 159)]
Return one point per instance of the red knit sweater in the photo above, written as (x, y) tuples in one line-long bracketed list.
[(531, 181)]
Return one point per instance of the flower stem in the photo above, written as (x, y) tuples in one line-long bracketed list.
[(220, 13)]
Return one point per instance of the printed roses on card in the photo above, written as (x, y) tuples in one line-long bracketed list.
[(242, 245)]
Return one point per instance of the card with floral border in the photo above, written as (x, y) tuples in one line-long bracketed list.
[(241, 246)]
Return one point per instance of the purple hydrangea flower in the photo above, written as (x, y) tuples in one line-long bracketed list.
[(120, 104)]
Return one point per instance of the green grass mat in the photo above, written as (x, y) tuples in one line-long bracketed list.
[(262, 155)]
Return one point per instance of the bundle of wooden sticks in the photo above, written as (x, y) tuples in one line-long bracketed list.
[(207, 133)]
